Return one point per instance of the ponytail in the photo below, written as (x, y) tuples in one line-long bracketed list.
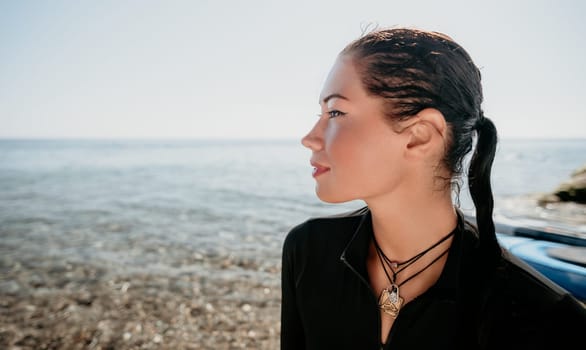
[(480, 187)]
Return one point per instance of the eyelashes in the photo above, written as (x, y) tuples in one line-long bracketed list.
[(334, 113)]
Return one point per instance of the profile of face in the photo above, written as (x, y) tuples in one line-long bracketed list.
[(356, 154)]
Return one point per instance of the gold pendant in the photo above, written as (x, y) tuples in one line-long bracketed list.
[(390, 301)]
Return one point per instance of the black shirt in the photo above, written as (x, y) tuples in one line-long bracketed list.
[(327, 301)]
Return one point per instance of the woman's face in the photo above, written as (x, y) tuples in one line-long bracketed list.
[(355, 152)]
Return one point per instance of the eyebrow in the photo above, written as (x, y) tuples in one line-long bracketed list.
[(329, 97)]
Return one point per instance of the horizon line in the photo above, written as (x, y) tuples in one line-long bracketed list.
[(196, 138)]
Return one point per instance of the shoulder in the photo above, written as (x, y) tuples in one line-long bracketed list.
[(531, 285), (533, 304), (516, 307), (325, 231)]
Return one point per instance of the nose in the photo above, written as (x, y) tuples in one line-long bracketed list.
[(314, 139)]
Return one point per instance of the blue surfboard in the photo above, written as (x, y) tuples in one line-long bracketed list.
[(562, 263)]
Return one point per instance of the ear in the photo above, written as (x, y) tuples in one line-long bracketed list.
[(428, 131)]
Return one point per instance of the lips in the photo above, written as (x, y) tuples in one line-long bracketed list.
[(319, 169)]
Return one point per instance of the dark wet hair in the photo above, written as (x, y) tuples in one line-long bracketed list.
[(413, 69)]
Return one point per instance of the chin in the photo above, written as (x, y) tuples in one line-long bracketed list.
[(332, 198)]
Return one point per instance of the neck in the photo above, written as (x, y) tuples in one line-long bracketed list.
[(404, 225)]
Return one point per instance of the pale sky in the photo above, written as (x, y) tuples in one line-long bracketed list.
[(254, 69)]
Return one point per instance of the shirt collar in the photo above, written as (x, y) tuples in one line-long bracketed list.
[(356, 252)]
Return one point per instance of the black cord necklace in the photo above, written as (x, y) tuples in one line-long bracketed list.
[(397, 266), (390, 301)]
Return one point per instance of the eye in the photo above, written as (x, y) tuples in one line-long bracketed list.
[(335, 113)]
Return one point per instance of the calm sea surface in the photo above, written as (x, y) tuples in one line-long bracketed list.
[(138, 204)]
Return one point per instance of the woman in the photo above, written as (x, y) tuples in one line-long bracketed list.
[(401, 109)]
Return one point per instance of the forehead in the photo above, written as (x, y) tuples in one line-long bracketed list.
[(343, 79)]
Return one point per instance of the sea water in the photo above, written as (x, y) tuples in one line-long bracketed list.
[(144, 203)]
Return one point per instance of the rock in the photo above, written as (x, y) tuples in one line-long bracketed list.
[(9, 287), (28, 341), (571, 190), (246, 308), (6, 338), (36, 281), (84, 298)]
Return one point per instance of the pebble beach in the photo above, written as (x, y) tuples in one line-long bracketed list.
[(57, 304)]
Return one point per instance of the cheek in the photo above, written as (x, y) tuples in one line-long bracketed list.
[(340, 145), (371, 159), (352, 155)]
